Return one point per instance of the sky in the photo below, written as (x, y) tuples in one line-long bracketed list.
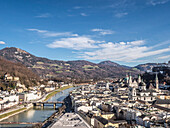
[(129, 32)]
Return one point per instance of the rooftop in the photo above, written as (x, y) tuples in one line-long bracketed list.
[(69, 120)]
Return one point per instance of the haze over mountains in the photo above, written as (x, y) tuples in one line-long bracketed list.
[(79, 69)]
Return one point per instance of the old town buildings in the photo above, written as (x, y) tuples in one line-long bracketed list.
[(127, 102)]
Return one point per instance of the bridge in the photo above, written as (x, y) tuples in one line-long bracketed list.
[(47, 102)]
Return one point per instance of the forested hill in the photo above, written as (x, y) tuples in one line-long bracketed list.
[(79, 70), (26, 75)]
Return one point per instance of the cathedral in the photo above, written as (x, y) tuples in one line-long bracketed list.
[(138, 90)]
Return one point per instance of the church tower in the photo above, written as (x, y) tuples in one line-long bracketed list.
[(82, 88), (130, 81), (127, 78), (157, 82), (139, 79), (107, 86)]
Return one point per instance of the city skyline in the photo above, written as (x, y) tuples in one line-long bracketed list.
[(128, 32)]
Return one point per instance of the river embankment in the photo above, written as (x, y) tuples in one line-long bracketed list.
[(56, 91), (17, 111)]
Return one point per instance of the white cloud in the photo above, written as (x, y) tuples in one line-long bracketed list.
[(44, 15), (46, 33), (163, 43), (164, 57), (103, 31), (157, 2), (77, 43), (37, 30), (55, 34), (119, 15), (2, 42), (133, 51), (83, 14), (138, 42), (123, 51)]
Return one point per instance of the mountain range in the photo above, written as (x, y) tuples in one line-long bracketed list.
[(80, 70)]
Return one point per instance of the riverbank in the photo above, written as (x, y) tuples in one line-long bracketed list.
[(15, 112), (20, 110), (9, 114), (55, 92)]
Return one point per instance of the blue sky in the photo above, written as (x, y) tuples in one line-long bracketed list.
[(128, 32)]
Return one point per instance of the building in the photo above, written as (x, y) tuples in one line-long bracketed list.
[(70, 120)]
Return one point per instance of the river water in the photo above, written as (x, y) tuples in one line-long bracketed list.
[(37, 114)]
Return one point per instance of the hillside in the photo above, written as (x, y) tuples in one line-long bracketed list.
[(79, 70), (150, 66), (110, 63), (26, 76), (145, 67)]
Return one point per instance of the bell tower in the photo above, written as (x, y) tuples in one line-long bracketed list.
[(139, 79), (157, 82), (130, 81)]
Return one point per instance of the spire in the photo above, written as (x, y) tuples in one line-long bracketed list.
[(107, 86), (130, 80), (139, 79), (157, 82), (83, 88), (127, 78), (135, 84)]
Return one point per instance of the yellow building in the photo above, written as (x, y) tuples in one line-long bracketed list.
[(16, 79), (108, 115)]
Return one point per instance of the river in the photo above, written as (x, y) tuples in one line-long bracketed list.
[(36, 114)]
